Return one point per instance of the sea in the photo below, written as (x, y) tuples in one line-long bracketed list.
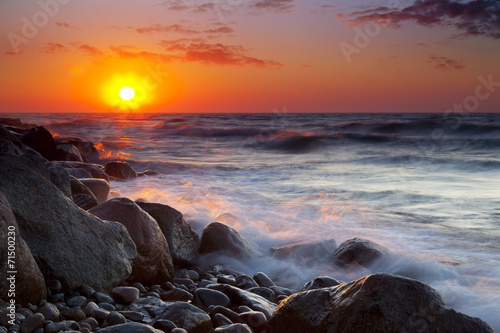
[(425, 186)]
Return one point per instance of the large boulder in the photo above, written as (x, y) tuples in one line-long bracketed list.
[(358, 251), (60, 178), (67, 243), (306, 252), (86, 149), (67, 152), (187, 316), (154, 263), (82, 196), (28, 280), (222, 239), (120, 170), (9, 148), (182, 240), (95, 170), (40, 140), (99, 187), (377, 303)]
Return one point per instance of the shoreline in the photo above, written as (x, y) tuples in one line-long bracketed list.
[(203, 286)]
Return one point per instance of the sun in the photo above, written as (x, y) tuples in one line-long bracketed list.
[(127, 93)]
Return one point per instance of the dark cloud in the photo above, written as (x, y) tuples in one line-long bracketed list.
[(276, 5), (473, 18), (445, 63)]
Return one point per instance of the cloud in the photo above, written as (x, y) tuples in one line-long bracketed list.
[(276, 5), (444, 63), (156, 28), (175, 5), (473, 18), (305, 67), (13, 53), (63, 25), (52, 48), (220, 30), (89, 50)]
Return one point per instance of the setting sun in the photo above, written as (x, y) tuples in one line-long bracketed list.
[(127, 93)]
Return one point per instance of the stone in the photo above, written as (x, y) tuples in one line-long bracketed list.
[(85, 201), (86, 291), (78, 173), (99, 187), (227, 279), (60, 178), (263, 280), (187, 316), (114, 318), (255, 320), (29, 281), (55, 286), (130, 328), (203, 298), (222, 239), (358, 251), (91, 322), (220, 320), (32, 323), (154, 263), (245, 282), (306, 252), (264, 292), (321, 282), (103, 298), (147, 173), (95, 170), (150, 307), (107, 306), (40, 140), (67, 243), (133, 315), (9, 148), (182, 240), (193, 275), (233, 328), (120, 170), (376, 303), (67, 152), (242, 297), (125, 295), (175, 295), (164, 325), (49, 311), (35, 163), (228, 313), (73, 314), (86, 149), (179, 330), (140, 287)]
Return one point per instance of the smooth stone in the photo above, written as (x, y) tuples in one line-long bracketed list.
[(9, 148), (179, 330), (233, 328), (133, 315), (67, 152), (139, 286), (49, 311), (358, 251), (255, 320), (73, 314), (203, 298), (228, 313), (130, 328), (114, 318), (193, 275), (264, 292), (220, 320), (187, 316), (150, 307), (120, 170), (32, 323), (65, 325), (245, 282), (103, 298), (125, 295), (60, 178), (306, 252), (92, 322), (244, 308), (175, 295), (78, 173), (227, 279), (99, 187), (89, 308), (84, 201), (80, 301), (86, 291), (321, 282), (40, 140), (165, 325), (222, 239), (100, 314), (263, 280), (107, 306)]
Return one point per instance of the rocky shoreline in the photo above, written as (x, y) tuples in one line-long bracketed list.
[(86, 263)]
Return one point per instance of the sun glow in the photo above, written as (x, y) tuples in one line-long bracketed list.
[(127, 93)]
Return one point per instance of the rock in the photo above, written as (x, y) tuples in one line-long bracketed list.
[(35, 163), (150, 307), (165, 325), (107, 306), (49, 311), (125, 295), (176, 295), (321, 282), (255, 320), (90, 322), (133, 315), (358, 251), (130, 328), (242, 297), (86, 149), (147, 173), (306, 252), (385, 302), (193, 275), (9, 148), (73, 314), (55, 286), (62, 326), (234, 328), (182, 240), (229, 314), (188, 317), (264, 292), (227, 279), (32, 323), (40, 140), (114, 318), (29, 282), (78, 173), (120, 170), (85, 201), (263, 280), (86, 291), (154, 263), (103, 298), (101, 252), (99, 187), (245, 282), (94, 169), (79, 301), (60, 178), (140, 287), (220, 320), (222, 239), (67, 152), (203, 298), (179, 330)]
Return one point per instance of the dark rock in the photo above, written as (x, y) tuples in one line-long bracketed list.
[(264, 292), (245, 282), (182, 240), (233, 328), (150, 307), (49, 311), (28, 281), (228, 313), (227, 279), (244, 308), (263, 280), (94, 169), (41, 140), (114, 318), (306, 252), (179, 330), (175, 295), (90, 322), (60, 178), (107, 306), (9, 148), (281, 291), (255, 320), (85, 201), (147, 173), (203, 298), (73, 314), (385, 302), (55, 286), (125, 295), (242, 297), (165, 325), (35, 163), (67, 152), (99, 187), (62, 326), (140, 287), (220, 320), (188, 317), (78, 173), (86, 291), (130, 328), (53, 226), (103, 298), (220, 238), (133, 315), (86, 149), (193, 275), (100, 314), (321, 282), (357, 251), (120, 170), (184, 281), (89, 307), (32, 323), (154, 263)]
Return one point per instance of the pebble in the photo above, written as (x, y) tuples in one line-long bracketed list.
[(86, 291), (179, 330), (245, 282), (80, 301), (114, 318), (165, 325), (234, 328), (54, 285), (140, 287), (193, 275), (133, 315), (32, 323), (176, 294), (103, 298), (203, 298), (264, 292), (263, 280), (107, 306), (91, 322), (49, 311), (227, 279), (255, 319), (89, 307), (220, 320), (73, 314)]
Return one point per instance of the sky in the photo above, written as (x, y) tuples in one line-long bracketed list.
[(250, 56)]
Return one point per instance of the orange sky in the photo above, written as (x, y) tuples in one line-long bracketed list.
[(248, 56)]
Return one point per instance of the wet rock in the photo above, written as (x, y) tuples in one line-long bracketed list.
[(182, 240), (220, 320), (227, 279), (233, 328), (78, 173), (62, 326), (133, 315), (358, 251), (114, 318), (67, 152), (9, 148), (73, 314), (85, 201), (263, 280), (321, 282), (125, 295), (94, 169), (220, 238), (103, 298), (264, 292), (86, 291), (203, 298), (150, 307), (107, 306), (385, 302), (245, 282), (120, 170), (165, 325), (188, 317), (32, 323), (99, 187), (40, 140), (306, 252), (154, 263), (91, 322), (53, 226), (228, 313), (175, 295), (255, 320), (28, 281)]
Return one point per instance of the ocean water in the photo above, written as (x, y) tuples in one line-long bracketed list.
[(426, 186)]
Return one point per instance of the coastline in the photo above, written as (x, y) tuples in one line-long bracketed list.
[(194, 287)]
